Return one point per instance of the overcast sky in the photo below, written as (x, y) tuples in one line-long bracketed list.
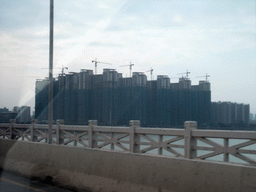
[(216, 37)]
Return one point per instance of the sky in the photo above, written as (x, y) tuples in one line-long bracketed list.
[(214, 37)]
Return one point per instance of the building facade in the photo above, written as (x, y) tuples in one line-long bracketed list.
[(23, 114), (6, 115), (114, 100), (228, 113)]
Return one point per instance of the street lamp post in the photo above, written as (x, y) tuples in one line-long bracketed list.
[(50, 103)]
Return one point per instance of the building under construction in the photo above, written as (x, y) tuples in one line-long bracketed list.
[(114, 100)]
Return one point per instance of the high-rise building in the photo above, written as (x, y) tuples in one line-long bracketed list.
[(23, 114), (225, 112), (246, 119), (229, 113), (41, 98), (114, 100)]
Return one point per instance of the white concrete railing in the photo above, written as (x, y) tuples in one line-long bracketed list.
[(189, 143)]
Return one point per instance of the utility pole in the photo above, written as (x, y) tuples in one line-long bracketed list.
[(50, 102)]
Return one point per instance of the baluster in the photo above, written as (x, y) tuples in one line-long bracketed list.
[(4, 132), (33, 133), (160, 141), (75, 135), (92, 135), (134, 138), (59, 133), (12, 135), (226, 154), (190, 142), (46, 135), (112, 141)]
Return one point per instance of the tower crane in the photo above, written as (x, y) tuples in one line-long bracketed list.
[(206, 77), (186, 77), (96, 62), (62, 70), (130, 68), (151, 73)]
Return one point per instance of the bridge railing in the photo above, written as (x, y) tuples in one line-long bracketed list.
[(190, 143)]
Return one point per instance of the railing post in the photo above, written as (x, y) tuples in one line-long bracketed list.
[(4, 133), (160, 141), (134, 139), (226, 154), (12, 135), (33, 135), (92, 135), (190, 142), (75, 137), (59, 133), (112, 145)]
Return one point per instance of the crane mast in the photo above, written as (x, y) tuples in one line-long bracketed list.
[(151, 73)]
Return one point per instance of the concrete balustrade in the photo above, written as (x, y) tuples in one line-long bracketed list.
[(95, 168), (133, 139)]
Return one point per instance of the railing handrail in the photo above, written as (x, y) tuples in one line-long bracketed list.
[(224, 134)]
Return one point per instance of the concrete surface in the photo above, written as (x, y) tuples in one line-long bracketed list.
[(108, 171)]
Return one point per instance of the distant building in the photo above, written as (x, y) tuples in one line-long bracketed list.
[(4, 110), (6, 116), (225, 112), (114, 100), (229, 113), (251, 116), (246, 119), (253, 119), (23, 114)]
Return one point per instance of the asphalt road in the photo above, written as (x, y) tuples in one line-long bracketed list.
[(9, 182)]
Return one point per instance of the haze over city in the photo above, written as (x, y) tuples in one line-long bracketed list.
[(213, 37)]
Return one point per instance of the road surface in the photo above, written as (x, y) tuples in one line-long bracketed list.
[(9, 182)]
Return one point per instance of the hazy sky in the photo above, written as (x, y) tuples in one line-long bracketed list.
[(217, 37)]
